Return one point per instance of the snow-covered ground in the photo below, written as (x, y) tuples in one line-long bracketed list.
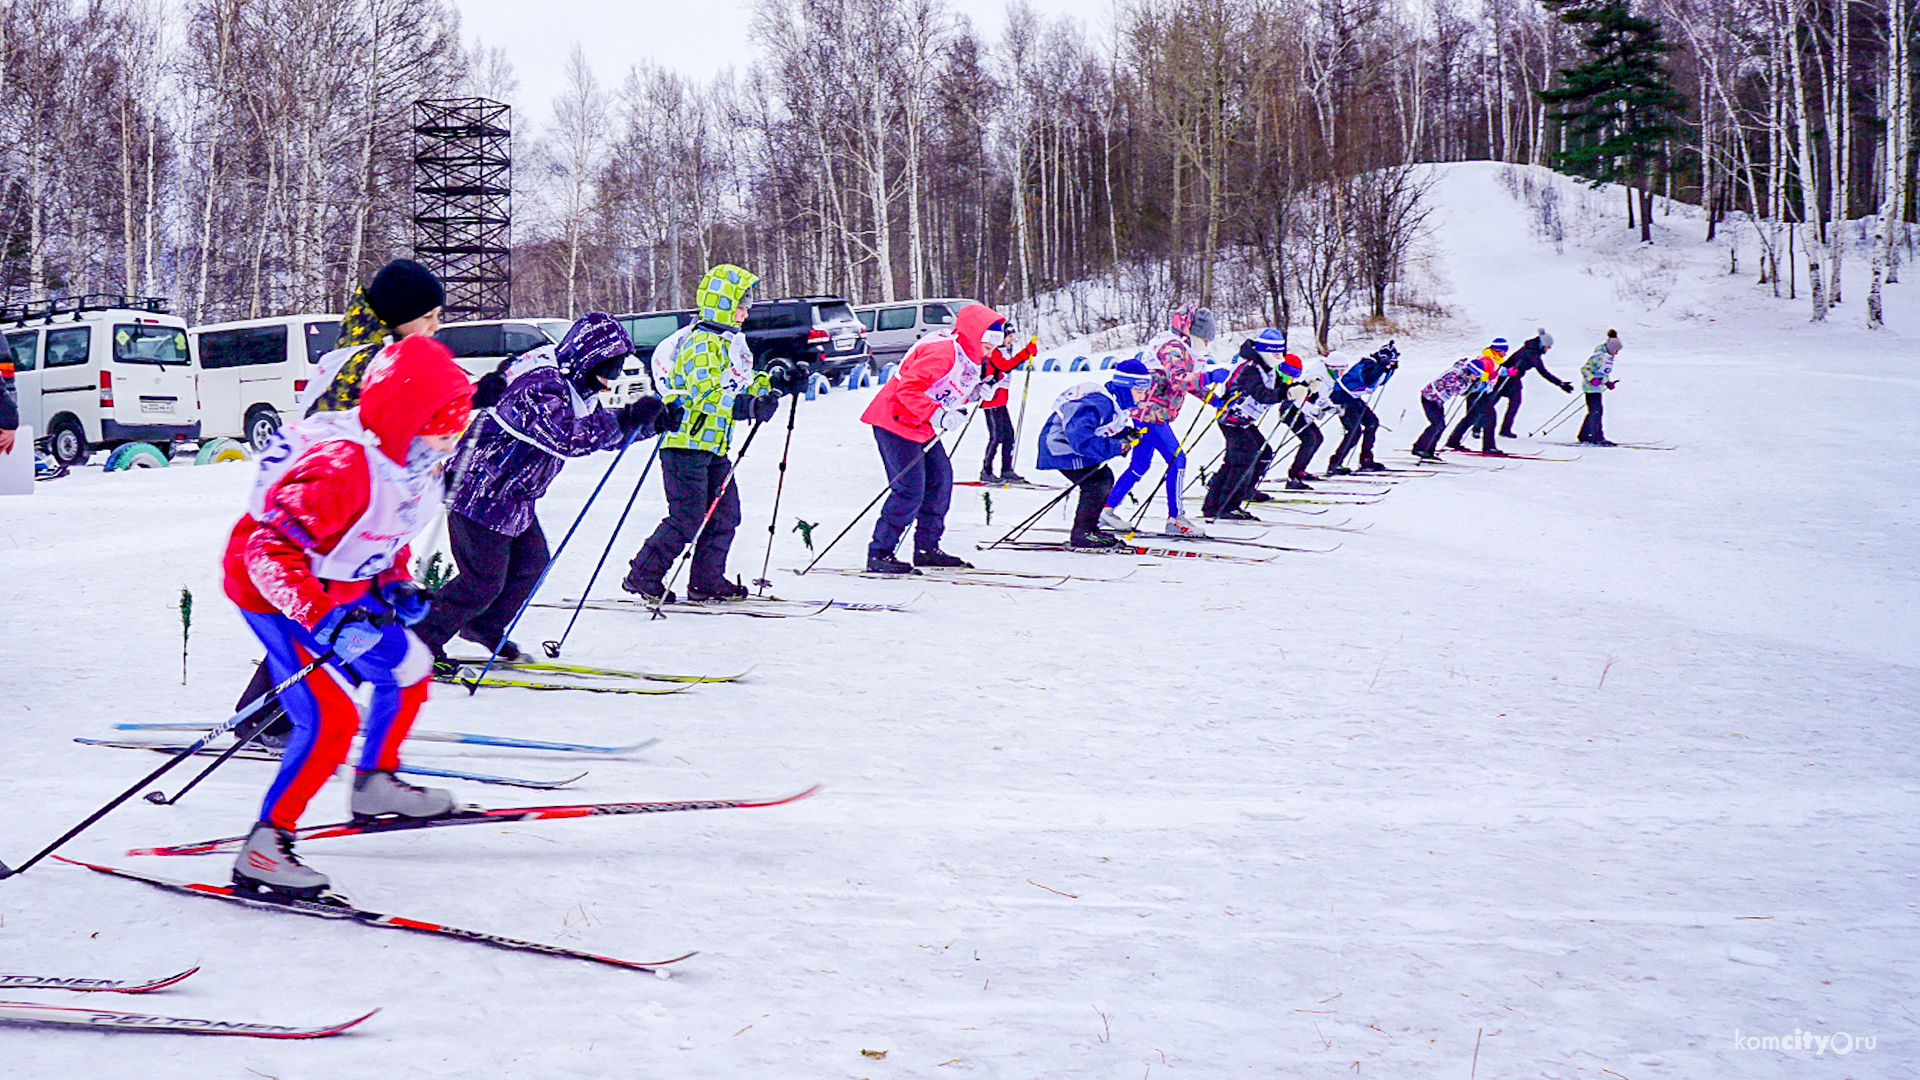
[(1570, 769)]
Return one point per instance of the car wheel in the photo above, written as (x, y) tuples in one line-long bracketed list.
[(68, 441), (262, 423)]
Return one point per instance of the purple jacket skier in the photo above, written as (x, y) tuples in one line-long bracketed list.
[(539, 410)]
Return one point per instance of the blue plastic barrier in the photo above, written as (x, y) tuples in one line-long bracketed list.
[(817, 384), (1080, 363), (1106, 362), (886, 373), (1051, 364)]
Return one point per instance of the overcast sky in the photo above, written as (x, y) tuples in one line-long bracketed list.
[(695, 37)]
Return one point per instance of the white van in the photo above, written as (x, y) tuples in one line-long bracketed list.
[(251, 372), (480, 345), (99, 370), (893, 328)]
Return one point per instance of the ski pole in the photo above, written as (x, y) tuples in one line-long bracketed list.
[(762, 583), (1554, 420), (195, 747), (1020, 424), (474, 686), (726, 483), (552, 648), (875, 501), (159, 798), (1035, 516)]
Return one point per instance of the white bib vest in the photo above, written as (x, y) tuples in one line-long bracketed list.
[(400, 502), (960, 385)]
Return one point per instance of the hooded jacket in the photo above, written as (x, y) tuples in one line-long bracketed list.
[(940, 370), (1071, 439), (515, 449), (712, 364), (328, 488), (1531, 356), (1251, 389), (1595, 373)]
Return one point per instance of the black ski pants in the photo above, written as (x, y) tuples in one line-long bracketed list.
[(1308, 433), (1094, 482), (1246, 460), (1361, 426), (1000, 438), (1590, 427), (1436, 426), (497, 574), (694, 479), (1479, 416)]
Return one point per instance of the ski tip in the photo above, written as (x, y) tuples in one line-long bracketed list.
[(163, 983), (355, 1022), (793, 799)]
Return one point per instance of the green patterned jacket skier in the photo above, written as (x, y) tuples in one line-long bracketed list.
[(712, 365)]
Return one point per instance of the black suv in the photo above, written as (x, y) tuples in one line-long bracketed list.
[(820, 331)]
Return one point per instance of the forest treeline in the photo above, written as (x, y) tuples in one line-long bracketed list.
[(253, 157)]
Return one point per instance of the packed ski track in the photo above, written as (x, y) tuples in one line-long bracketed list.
[(1569, 769)]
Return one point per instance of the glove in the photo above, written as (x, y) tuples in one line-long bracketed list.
[(764, 407), (949, 419), (672, 415), (742, 405), (1297, 393), (350, 631), (642, 416), (487, 392), (1611, 383), (1509, 372), (408, 601), (1567, 386)]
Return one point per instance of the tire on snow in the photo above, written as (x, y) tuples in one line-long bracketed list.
[(136, 455), (214, 451)]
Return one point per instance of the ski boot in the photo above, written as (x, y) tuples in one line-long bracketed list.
[(267, 865), (1258, 496), (378, 793), (1237, 513), (883, 562), (1113, 522), (1337, 469), (719, 590), (1297, 483), (1427, 456), (1371, 465), (268, 728), (1011, 477), (940, 560), (508, 652), (653, 592), (1092, 540), (987, 476), (1181, 525)]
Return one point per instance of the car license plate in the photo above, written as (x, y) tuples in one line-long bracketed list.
[(156, 405), (842, 342)]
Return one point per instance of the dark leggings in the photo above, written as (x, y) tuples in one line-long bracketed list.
[(1094, 482), (1590, 428), (999, 437), (1479, 416), (1245, 461), (1362, 427), (1436, 426)]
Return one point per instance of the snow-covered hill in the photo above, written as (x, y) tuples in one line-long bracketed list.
[(1566, 769)]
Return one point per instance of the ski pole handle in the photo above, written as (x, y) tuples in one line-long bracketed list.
[(198, 744)]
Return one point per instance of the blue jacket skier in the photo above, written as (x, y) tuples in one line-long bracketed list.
[(1349, 395), (1090, 424)]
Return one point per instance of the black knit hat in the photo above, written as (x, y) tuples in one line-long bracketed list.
[(403, 291)]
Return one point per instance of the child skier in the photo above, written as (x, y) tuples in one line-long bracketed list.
[(1301, 409), (1357, 418), (1456, 380), (1481, 395), (1250, 391), (1596, 378), (545, 412), (1173, 373), (937, 379), (319, 564), (1089, 424), (1530, 356), (713, 375), (1000, 434)]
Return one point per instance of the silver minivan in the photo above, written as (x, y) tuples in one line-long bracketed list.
[(893, 328), (101, 370), (252, 372)]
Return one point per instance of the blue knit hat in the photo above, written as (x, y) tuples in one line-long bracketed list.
[(1499, 344), (1271, 341), (1133, 366)]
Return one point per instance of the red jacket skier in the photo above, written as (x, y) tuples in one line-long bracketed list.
[(319, 563)]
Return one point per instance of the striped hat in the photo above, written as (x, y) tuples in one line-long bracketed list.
[(1290, 366), (1499, 345), (1270, 341)]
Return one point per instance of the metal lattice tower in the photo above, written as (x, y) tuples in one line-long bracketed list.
[(463, 202)]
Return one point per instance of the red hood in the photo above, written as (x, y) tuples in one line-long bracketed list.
[(405, 385), (973, 320)]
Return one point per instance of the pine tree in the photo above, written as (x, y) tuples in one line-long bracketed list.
[(1618, 109)]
